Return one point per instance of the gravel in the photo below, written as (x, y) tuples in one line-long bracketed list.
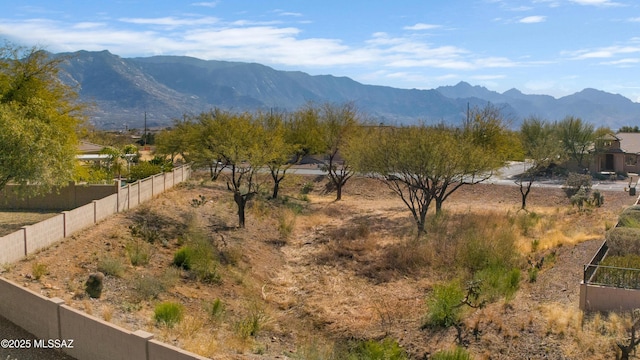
[(10, 331)]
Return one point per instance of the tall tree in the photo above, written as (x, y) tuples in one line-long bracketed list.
[(425, 164), (339, 125), (283, 152), (175, 140), (204, 140), (577, 138), (39, 119), (541, 145), (243, 146)]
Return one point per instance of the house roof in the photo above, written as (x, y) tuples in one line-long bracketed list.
[(629, 142)]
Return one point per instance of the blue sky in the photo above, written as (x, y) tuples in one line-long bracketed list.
[(554, 47)]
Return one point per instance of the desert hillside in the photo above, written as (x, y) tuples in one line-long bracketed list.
[(311, 278)]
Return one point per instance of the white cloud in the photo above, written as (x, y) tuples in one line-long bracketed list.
[(601, 3), (210, 4), (533, 19), (422, 26), (265, 42), (604, 52), (171, 21)]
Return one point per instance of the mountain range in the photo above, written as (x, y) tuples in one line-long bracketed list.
[(125, 91)]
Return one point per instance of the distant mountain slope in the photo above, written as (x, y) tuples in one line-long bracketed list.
[(166, 87)]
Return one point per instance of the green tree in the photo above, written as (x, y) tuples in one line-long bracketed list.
[(204, 138), (174, 141), (425, 164), (282, 153), (542, 147), (338, 126), (577, 138), (39, 118), (242, 145)]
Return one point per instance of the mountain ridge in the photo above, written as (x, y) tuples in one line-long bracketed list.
[(167, 87)]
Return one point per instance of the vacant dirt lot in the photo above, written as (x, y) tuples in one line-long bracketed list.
[(313, 274)]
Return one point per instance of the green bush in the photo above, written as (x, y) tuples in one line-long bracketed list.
[(110, 265), (183, 257), (623, 240), (498, 282), (251, 323), (198, 257), (443, 304), (38, 270), (387, 349), (143, 170), (215, 309), (146, 287), (630, 217), (456, 354), (139, 253), (168, 313)]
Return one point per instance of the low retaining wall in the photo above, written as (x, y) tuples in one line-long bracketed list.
[(606, 298), (34, 237), (93, 339)]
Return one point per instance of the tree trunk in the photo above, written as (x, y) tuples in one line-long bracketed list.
[(276, 188), (439, 206), (338, 191), (525, 194), (241, 201)]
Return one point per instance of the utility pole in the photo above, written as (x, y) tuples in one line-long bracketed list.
[(144, 136)]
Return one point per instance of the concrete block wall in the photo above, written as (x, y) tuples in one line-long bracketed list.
[(44, 233), (68, 197), (31, 238), (79, 218), (108, 341), (157, 184), (32, 312), (93, 339), (106, 207), (13, 247), (145, 188)]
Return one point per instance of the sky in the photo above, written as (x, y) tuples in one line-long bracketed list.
[(553, 47)]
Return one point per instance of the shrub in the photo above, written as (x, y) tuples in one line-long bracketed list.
[(387, 349), (286, 224), (38, 270), (183, 257), (168, 313), (215, 309), (251, 323), (630, 217), (198, 256), (110, 265), (576, 182), (139, 253), (146, 287), (497, 282), (623, 240), (306, 188), (456, 354), (444, 308), (143, 170)]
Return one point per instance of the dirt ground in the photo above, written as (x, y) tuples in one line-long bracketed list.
[(303, 270)]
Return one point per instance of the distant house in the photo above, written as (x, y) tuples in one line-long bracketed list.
[(617, 153)]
